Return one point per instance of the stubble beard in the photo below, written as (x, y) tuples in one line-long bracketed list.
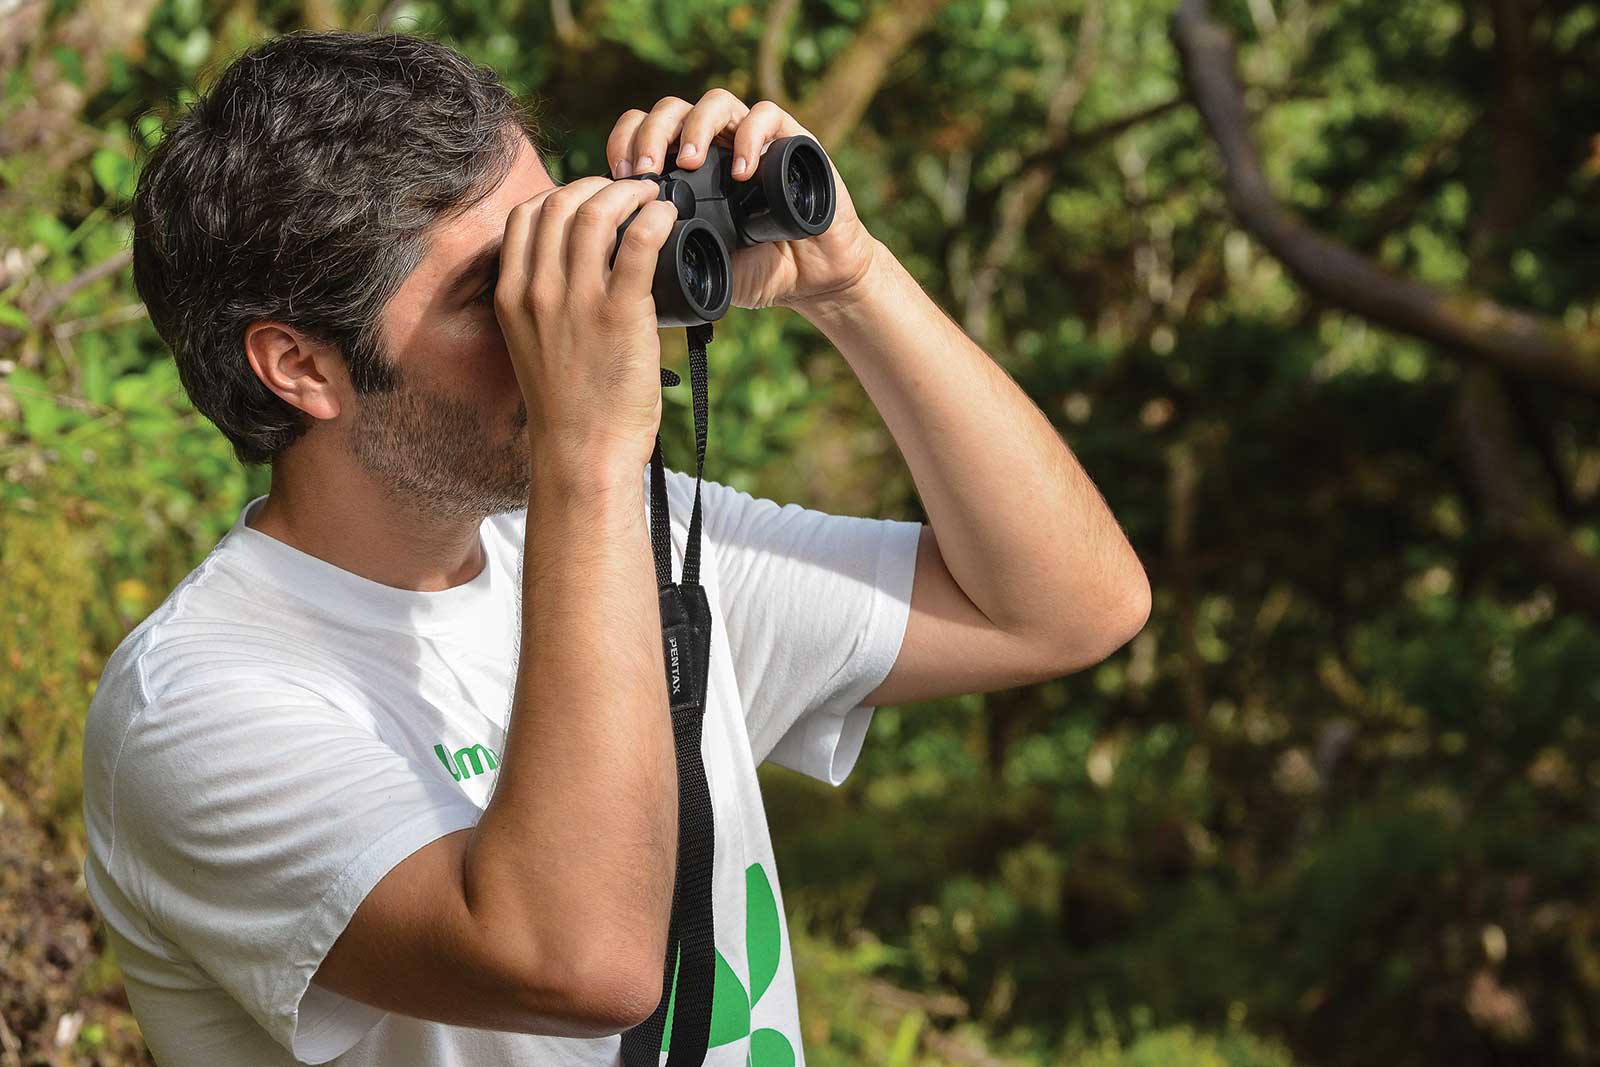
[(434, 452)]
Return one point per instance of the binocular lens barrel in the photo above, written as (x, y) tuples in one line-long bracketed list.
[(789, 198), (694, 276)]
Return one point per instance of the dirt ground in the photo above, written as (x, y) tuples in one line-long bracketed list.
[(61, 1000)]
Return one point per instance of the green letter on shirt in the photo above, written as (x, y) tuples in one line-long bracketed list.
[(478, 754)]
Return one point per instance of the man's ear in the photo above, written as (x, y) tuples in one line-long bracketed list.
[(304, 371)]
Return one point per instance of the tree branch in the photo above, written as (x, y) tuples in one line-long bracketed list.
[(840, 97), (1461, 321), (1183, 480), (1487, 411), (564, 21), (1023, 194), (39, 311), (769, 56), (1510, 510)]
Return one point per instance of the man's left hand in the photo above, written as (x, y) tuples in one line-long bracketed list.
[(805, 274)]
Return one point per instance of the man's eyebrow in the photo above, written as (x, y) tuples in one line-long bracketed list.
[(481, 263)]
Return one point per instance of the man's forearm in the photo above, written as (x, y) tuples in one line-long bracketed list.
[(581, 831), (1022, 529)]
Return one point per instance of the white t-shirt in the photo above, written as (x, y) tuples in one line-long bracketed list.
[(280, 733)]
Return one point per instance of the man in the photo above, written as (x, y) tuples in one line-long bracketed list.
[(389, 778)]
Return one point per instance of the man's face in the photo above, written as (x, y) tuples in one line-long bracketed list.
[(451, 437)]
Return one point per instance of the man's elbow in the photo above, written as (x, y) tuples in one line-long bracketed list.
[(1121, 611), (1135, 598)]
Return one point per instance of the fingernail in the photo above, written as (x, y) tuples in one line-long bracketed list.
[(739, 165), (687, 150), (623, 170), (645, 163)]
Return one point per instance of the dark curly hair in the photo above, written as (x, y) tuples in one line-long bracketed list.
[(299, 189)]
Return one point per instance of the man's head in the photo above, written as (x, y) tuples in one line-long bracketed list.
[(302, 239)]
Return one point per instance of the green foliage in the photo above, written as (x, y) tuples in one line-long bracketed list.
[(1339, 797), (50, 591), (1180, 1045)]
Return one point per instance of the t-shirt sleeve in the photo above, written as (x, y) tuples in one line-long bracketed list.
[(816, 606), (248, 826)]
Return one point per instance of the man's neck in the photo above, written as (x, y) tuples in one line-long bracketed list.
[(343, 517)]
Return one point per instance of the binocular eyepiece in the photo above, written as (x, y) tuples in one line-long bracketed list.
[(789, 197)]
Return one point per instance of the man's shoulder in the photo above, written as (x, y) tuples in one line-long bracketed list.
[(216, 622), (203, 634)]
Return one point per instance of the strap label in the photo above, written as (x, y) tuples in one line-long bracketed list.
[(672, 671), (685, 645)]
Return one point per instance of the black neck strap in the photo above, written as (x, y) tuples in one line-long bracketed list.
[(689, 970), (699, 338)]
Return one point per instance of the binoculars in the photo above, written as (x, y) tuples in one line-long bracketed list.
[(789, 197)]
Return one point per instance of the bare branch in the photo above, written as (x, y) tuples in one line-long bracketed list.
[(840, 97), (1461, 321), (1117, 127), (774, 43), (1114, 128), (45, 124), (46, 306), (1486, 410), (115, 317), (39, 311), (20, 23), (1423, 175), (1023, 194), (9, 1046), (1183, 480), (1510, 510), (561, 17)]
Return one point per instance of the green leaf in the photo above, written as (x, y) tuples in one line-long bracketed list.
[(49, 231), (113, 172), (19, 83), (41, 415), (133, 392), (150, 128), (71, 64), (95, 377), (189, 50)]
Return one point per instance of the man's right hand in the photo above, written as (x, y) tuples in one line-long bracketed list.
[(583, 337), (551, 915)]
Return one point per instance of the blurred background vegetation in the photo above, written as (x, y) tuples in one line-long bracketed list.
[(1310, 288)]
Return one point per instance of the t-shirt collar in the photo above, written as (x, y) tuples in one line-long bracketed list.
[(346, 594)]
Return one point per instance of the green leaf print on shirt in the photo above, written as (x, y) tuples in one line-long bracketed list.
[(730, 1004)]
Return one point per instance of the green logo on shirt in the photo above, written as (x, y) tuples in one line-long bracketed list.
[(476, 755), (731, 1003)]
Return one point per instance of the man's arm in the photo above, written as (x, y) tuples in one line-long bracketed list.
[(550, 916), (565, 884), (1030, 576), (1024, 574)]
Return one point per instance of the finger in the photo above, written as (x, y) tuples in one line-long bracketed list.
[(635, 269), (547, 265), (717, 112), (516, 254), (593, 232), (619, 146), (765, 123), (657, 131), (512, 282)]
